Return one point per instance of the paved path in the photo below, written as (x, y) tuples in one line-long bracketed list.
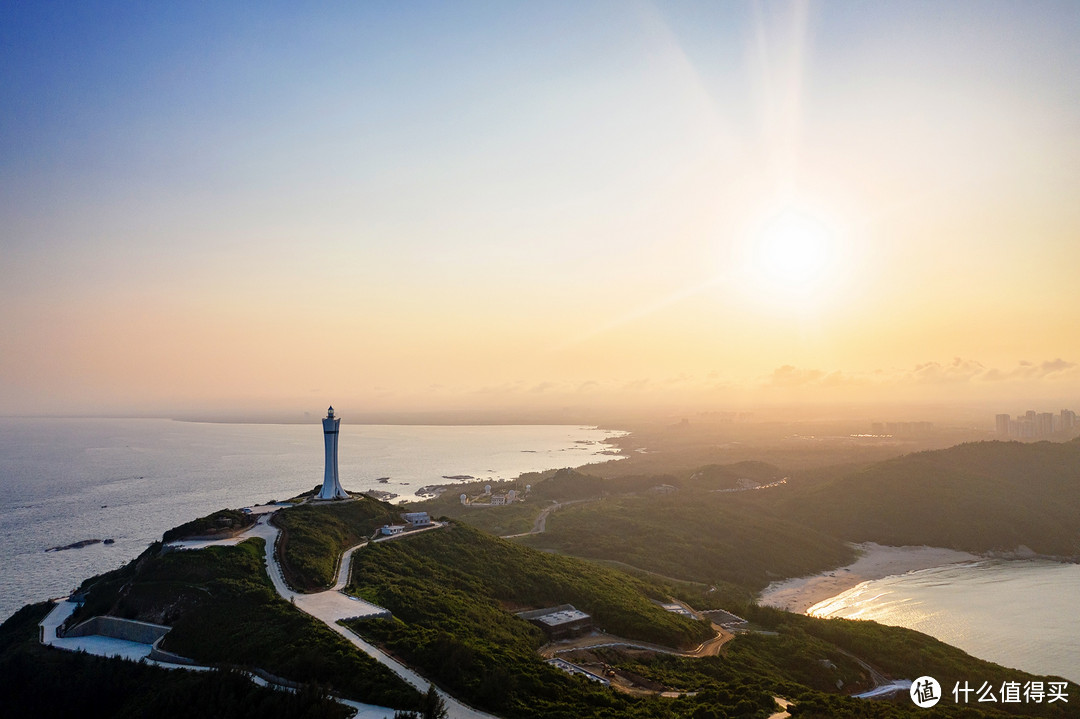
[(109, 647), (599, 640), (784, 705), (330, 607), (540, 525)]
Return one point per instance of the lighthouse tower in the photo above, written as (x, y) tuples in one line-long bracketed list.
[(331, 487)]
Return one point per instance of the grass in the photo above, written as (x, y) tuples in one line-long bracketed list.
[(224, 610), (975, 497), (694, 536), (224, 522), (41, 681), (314, 536)]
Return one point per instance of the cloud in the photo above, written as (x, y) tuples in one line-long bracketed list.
[(791, 376), (502, 389), (1052, 370), (959, 370)]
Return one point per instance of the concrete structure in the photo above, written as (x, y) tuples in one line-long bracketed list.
[(561, 622), (1068, 420), (677, 609), (580, 671), (727, 620), (331, 487), (464, 499), (391, 529), (498, 500), (417, 519), (117, 628)]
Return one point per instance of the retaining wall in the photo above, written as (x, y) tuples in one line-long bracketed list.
[(117, 628)]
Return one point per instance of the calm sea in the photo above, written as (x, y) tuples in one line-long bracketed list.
[(66, 480), (1019, 614)]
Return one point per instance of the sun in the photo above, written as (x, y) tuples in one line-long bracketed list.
[(793, 248), (794, 253)]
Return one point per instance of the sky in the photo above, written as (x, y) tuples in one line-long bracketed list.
[(395, 207)]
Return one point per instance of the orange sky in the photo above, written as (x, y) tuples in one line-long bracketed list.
[(540, 207)]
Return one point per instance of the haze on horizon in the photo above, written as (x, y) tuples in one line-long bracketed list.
[(484, 206)]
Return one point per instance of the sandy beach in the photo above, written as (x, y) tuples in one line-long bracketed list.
[(875, 562)]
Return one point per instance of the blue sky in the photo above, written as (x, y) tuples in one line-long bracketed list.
[(433, 204)]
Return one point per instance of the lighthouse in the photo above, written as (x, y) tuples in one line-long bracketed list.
[(331, 486)]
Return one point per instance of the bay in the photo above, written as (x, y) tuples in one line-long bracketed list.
[(68, 480), (1017, 613)]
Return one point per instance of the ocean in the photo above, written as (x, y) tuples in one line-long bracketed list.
[(67, 480), (1017, 613)]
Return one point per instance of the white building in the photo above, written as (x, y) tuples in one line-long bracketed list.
[(331, 486)]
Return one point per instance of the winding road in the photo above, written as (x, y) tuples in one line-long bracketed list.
[(331, 606)]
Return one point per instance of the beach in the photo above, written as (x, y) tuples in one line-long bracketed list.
[(875, 561)]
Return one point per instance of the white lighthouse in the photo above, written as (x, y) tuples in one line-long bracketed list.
[(331, 486)]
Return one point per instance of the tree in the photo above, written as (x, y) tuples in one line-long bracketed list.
[(433, 705)]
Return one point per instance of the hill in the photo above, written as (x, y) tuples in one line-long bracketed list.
[(40, 681), (977, 497), (706, 537), (313, 536), (223, 610)]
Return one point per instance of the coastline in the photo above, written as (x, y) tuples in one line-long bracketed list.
[(875, 561)]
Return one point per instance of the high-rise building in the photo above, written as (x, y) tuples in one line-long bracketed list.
[(1067, 421), (331, 486), (1002, 421), (1044, 424)]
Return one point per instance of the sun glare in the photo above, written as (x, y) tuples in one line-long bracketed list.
[(792, 256), (793, 249)]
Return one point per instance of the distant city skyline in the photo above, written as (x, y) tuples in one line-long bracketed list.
[(556, 208), (1032, 424)]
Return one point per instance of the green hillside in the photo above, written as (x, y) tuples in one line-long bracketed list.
[(223, 610), (453, 593), (698, 536), (975, 497), (39, 681), (313, 536)]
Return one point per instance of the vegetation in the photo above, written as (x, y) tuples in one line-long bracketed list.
[(464, 560), (224, 522), (224, 610), (730, 476), (39, 681), (975, 497), (703, 537), (451, 591), (987, 496), (897, 651), (314, 536), (563, 485)]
